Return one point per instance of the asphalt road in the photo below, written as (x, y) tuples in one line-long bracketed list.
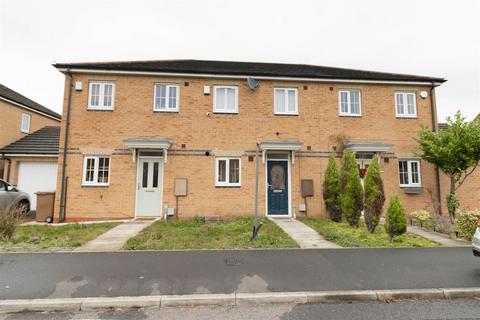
[(404, 310), (62, 275)]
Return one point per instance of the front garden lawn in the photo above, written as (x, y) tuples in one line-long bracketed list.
[(230, 234), (346, 236), (51, 237)]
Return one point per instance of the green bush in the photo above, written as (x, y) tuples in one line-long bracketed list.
[(351, 190), (396, 222), (331, 191), (467, 223), (374, 195)]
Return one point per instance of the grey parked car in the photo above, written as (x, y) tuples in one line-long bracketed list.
[(11, 197)]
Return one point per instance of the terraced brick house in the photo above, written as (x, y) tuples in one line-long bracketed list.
[(147, 138), (28, 143)]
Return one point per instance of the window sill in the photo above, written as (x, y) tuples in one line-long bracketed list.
[(228, 186), (166, 111), (100, 109), (95, 185), (225, 112), (412, 189), (286, 114), (351, 115), (406, 117), (22, 131)]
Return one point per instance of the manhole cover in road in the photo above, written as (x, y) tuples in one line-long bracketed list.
[(233, 262)]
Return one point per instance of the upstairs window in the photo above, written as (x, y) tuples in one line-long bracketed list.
[(405, 104), (409, 172), (286, 101), (25, 125), (96, 171), (225, 99), (166, 98), (101, 95), (227, 171), (350, 103)]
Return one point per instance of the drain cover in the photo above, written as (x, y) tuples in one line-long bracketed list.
[(233, 262)]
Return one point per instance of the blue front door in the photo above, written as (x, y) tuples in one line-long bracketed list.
[(277, 187)]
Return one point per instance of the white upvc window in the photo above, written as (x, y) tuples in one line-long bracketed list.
[(25, 125), (101, 95), (167, 97), (409, 173), (225, 99), (405, 105), (286, 101), (350, 103), (96, 171), (227, 172)]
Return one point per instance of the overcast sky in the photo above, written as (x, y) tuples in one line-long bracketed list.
[(428, 37)]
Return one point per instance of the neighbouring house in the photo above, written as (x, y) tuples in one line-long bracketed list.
[(141, 132), (23, 162), (32, 162)]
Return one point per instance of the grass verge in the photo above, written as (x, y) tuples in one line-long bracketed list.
[(346, 236), (44, 236), (231, 234)]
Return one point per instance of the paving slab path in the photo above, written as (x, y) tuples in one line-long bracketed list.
[(115, 238), (305, 236), (444, 240)]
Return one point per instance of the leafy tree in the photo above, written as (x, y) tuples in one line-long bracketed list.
[(331, 190), (374, 195), (351, 190), (396, 222), (454, 150)]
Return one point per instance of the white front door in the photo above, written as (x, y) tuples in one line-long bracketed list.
[(149, 187)]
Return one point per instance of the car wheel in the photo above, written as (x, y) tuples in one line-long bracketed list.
[(49, 220), (24, 207)]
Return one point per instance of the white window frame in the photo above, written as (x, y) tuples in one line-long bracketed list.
[(285, 90), (167, 98), (95, 171), (101, 95), (215, 110), (410, 173), (349, 112), (405, 104), (26, 118), (227, 182)]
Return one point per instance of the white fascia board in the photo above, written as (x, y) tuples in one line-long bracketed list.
[(244, 77)]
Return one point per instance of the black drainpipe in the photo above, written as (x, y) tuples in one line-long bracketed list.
[(61, 214), (434, 129)]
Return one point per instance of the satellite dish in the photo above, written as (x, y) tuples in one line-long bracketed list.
[(252, 83), (423, 94)]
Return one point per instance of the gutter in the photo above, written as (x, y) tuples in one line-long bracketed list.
[(244, 77), (435, 129), (61, 214)]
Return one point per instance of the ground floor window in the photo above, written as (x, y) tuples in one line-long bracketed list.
[(409, 173), (96, 171), (227, 172)]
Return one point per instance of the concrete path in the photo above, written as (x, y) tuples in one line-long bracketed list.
[(305, 236), (444, 240), (115, 238)]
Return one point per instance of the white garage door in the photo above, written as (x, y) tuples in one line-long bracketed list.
[(36, 176)]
